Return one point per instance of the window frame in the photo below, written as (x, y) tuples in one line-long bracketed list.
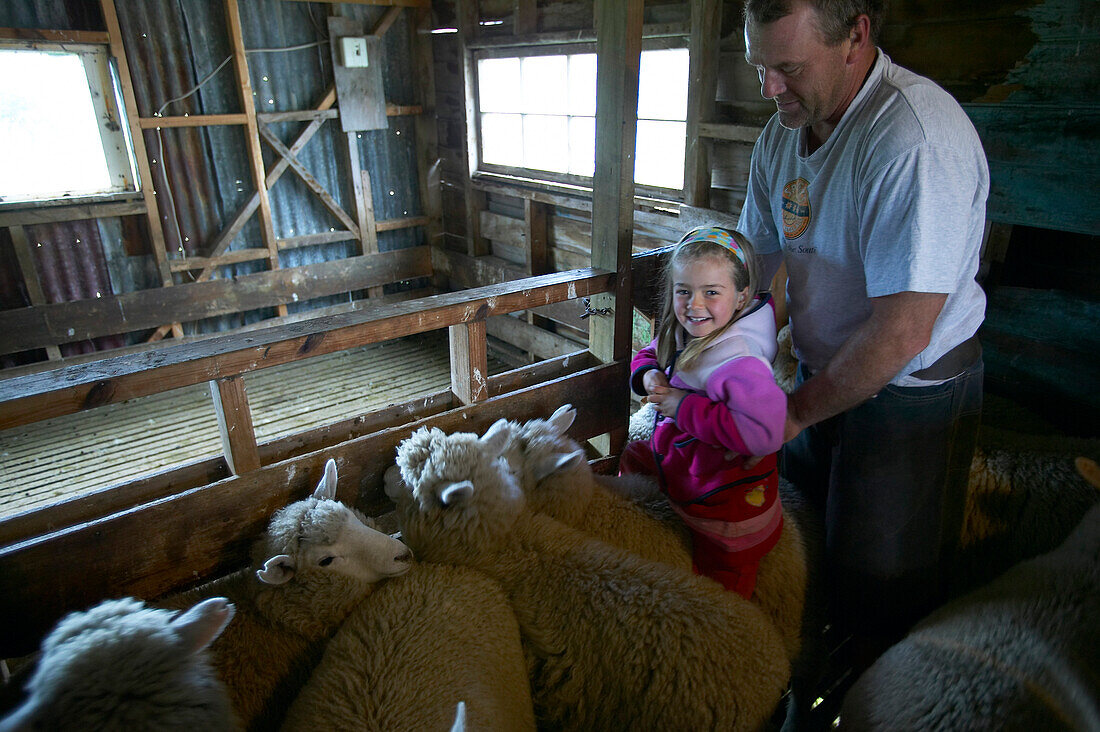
[(105, 92), (528, 176)]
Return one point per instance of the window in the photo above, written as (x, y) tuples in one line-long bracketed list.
[(62, 129), (538, 113)]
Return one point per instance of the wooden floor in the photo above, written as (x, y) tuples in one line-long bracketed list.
[(74, 454)]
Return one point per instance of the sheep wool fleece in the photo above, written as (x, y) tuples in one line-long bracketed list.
[(733, 406)]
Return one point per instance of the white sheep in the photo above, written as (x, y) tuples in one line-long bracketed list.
[(124, 666), (316, 561), (613, 641), (554, 473), (1022, 653), (415, 648)]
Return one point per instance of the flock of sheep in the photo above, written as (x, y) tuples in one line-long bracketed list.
[(528, 592)]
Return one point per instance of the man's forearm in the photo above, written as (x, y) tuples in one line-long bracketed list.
[(899, 328)]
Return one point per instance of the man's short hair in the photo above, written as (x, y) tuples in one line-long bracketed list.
[(834, 17)]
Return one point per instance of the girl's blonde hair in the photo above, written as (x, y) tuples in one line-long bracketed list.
[(700, 242)]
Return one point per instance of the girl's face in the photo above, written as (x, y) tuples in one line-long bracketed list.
[(704, 295)]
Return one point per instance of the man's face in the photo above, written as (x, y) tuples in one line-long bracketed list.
[(804, 76)]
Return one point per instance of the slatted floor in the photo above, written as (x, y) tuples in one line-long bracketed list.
[(61, 457)]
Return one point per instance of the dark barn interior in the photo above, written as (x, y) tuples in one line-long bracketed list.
[(304, 259)]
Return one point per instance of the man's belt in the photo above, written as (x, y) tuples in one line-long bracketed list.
[(952, 363)]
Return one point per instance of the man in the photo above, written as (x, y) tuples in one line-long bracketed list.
[(870, 184)]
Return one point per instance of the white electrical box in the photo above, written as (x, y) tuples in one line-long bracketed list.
[(353, 52)]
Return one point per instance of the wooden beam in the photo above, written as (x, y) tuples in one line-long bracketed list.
[(706, 31), (55, 36), (525, 16), (573, 37), (387, 19), (469, 361), (198, 120), (369, 235), (537, 236), (427, 126), (137, 139), (74, 212), (25, 257), (730, 133), (252, 141), (235, 424), (66, 390), (312, 183), (240, 218), (236, 256), (537, 341), (469, 28), (55, 323), (618, 51)]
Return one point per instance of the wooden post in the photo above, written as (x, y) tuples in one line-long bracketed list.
[(252, 135), (427, 129), (618, 49), (141, 155), (235, 424), (706, 27), (25, 257), (469, 361), (468, 30), (535, 232)]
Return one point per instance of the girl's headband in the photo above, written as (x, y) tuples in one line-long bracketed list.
[(713, 234)]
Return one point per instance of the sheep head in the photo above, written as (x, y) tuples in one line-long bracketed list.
[(540, 452), (123, 665), (322, 535), (456, 495)]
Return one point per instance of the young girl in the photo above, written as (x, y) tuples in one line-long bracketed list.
[(709, 374)]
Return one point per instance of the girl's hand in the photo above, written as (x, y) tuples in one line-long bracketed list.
[(653, 379), (666, 399)]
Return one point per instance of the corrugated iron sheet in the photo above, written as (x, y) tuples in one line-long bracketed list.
[(202, 175)]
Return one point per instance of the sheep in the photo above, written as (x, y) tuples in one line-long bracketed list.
[(613, 641), (555, 474), (1019, 504), (124, 666), (1019, 653), (315, 562), (419, 644)]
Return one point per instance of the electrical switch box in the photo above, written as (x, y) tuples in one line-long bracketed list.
[(353, 52)]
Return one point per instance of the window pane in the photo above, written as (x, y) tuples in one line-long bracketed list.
[(498, 86), (582, 84), (545, 85), (659, 160), (662, 84), (546, 142), (49, 135), (502, 139), (582, 145)]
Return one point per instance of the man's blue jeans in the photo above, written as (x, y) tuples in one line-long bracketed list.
[(890, 476)]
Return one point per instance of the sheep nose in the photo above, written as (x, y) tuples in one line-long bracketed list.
[(405, 556)]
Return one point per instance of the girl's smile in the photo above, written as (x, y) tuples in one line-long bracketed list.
[(705, 297)]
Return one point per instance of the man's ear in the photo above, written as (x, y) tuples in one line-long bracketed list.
[(859, 35)]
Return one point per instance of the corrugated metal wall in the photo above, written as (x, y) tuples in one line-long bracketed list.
[(202, 176)]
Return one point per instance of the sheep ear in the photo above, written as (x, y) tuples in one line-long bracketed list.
[(202, 624), (562, 418), (278, 570), (497, 437), (393, 484), (456, 494), (459, 725), (558, 463), (326, 489)]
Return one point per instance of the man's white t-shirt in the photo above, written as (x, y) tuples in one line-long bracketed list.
[(894, 201)]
